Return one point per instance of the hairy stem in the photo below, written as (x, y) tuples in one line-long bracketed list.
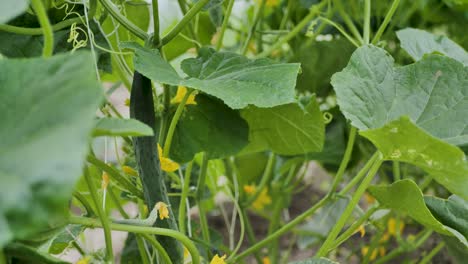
[(115, 13), (387, 19), (41, 14), (225, 24)]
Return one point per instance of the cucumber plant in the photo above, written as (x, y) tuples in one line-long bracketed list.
[(232, 104)]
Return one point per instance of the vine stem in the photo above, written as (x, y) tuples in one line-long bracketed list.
[(201, 208), (163, 253), (183, 22), (341, 30), (156, 38), (225, 24), (281, 231), (314, 11), (360, 174), (90, 222), (434, 251), (257, 18), (345, 160), (40, 31), (267, 174), (135, 30), (102, 215), (367, 15), (174, 121), (387, 19), (41, 14), (349, 22), (349, 208), (183, 198)]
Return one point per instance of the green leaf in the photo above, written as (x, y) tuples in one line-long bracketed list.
[(45, 123), (419, 43), (405, 197), (230, 77), (451, 212), (401, 140), (315, 261), (10, 9), (456, 250), (286, 129), (208, 126), (371, 91), (109, 126), (63, 240)]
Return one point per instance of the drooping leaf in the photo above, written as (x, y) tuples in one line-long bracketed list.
[(9, 9), (419, 43), (457, 250), (315, 261), (433, 92), (208, 126), (230, 77), (452, 212), (401, 140), (405, 197), (109, 126), (286, 129), (47, 116), (62, 241)]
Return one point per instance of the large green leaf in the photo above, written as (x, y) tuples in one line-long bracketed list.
[(452, 212), (419, 42), (230, 77), (403, 141), (45, 132), (433, 92), (208, 126), (405, 197), (9, 9), (286, 129), (109, 126)]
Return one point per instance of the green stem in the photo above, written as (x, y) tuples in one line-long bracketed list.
[(41, 14), (352, 229), (145, 258), (345, 160), (434, 251), (387, 19), (286, 228), (173, 125), (156, 37), (115, 175), (115, 13), (274, 224), (250, 234), (349, 22), (419, 240), (199, 197), (367, 15), (115, 200), (314, 11), (183, 198), (142, 230), (285, 18), (341, 30), (40, 31), (89, 209), (162, 252), (225, 24), (326, 246), (102, 216), (165, 114), (360, 174), (257, 18), (183, 22), (396, 170), (267, 174), (373, 246)]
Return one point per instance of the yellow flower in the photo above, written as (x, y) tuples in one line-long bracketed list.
[(382, 251), (218, 260), (262, 200), (362, 230), (129, 170), (166, 163), (391, 225), (249, 189), (364, 251), (181, 91), (84, 260), (162, 210), (127, 102), (105, 180), (265, 260)]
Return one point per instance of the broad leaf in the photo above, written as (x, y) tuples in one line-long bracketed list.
[(433, 92), (46, 123), (419, 43), (63, 240), (405, 197), (208, 126), (403, 141), (230, 77), (121, 127), (9, 9), (286, 129), (452, 212)]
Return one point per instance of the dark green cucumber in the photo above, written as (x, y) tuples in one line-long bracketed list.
[(146, 154)]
